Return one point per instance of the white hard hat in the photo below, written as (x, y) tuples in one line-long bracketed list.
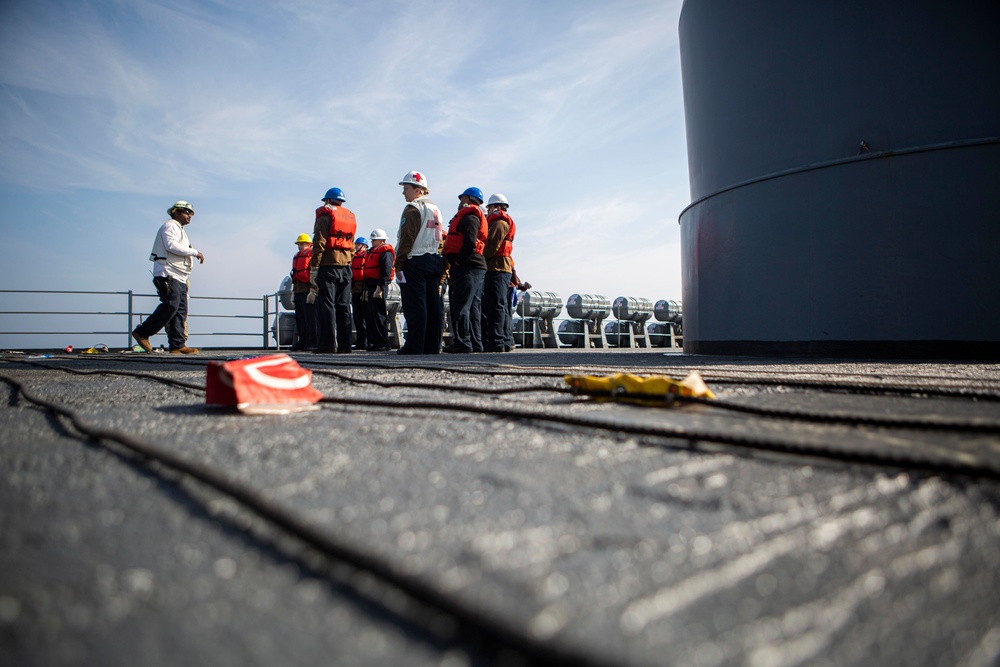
[(497, 199), (378, 234), (180, 204), (414, 178)]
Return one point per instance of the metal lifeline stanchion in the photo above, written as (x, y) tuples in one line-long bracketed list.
[(276, 334), (128, 327), (267, 312)]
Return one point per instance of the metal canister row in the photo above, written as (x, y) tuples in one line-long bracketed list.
[(585, 326)]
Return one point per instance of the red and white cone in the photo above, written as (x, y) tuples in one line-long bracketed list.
[(274, 384)]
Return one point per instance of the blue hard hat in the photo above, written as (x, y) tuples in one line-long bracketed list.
[(335, 194), (361, 239), (475, 192)]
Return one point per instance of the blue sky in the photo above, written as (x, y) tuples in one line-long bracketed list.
[(111, 110)]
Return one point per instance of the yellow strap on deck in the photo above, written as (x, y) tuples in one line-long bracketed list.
[(628, 387)]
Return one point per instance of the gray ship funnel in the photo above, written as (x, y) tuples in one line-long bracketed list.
[(844, 164)]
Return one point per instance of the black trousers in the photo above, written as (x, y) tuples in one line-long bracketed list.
[(465, 299), (359, 312), (495, 309), (170, 314), (333, 308), (305, 321), (378, 315), (422, 304)]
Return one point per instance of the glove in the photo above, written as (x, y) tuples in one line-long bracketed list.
[(312, 277), (311, 297), (379, 292)]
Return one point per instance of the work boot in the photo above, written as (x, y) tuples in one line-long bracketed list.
[(142, 341), (184, 350)]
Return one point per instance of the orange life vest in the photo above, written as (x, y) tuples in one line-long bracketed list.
[(342, 227), (506, 248), (453, 242), (358, 265), (372, 259), (300, 265)]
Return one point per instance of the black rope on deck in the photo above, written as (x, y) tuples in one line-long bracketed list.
[(489, 391), (951, 425), (868, 457), (750, 377), (509, 411), (135, 374), (534, 649)]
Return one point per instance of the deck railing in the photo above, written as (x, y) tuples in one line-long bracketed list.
[(109, 317), (252, 318)]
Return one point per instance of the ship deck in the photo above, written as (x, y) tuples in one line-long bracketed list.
[(466, 510)]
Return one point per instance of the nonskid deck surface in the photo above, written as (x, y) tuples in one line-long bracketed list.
[(467, 510)]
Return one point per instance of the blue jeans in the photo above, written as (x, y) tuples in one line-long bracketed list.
[(422, 304), (495, 309), (333, 308), (465, 300), (171, 313), (476, 316)]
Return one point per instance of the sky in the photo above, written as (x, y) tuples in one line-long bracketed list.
[(111, 110)]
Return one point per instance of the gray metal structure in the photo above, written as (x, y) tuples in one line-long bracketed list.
[(845, 177)]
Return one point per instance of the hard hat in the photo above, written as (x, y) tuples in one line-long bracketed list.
[(498, 199), (304, 238), (180, 204), (378, 234), (414, 178), (362, 240), (336, 194), (474, 192)]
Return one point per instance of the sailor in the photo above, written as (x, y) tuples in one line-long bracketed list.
[(173, 260), (512, 298), (305, 309), (330, 271), (497, 253), (358, 306), (419, 267), (463, 250), (378, 273)]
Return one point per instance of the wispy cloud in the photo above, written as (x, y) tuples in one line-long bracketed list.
[(570, 108), (412, 83)]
